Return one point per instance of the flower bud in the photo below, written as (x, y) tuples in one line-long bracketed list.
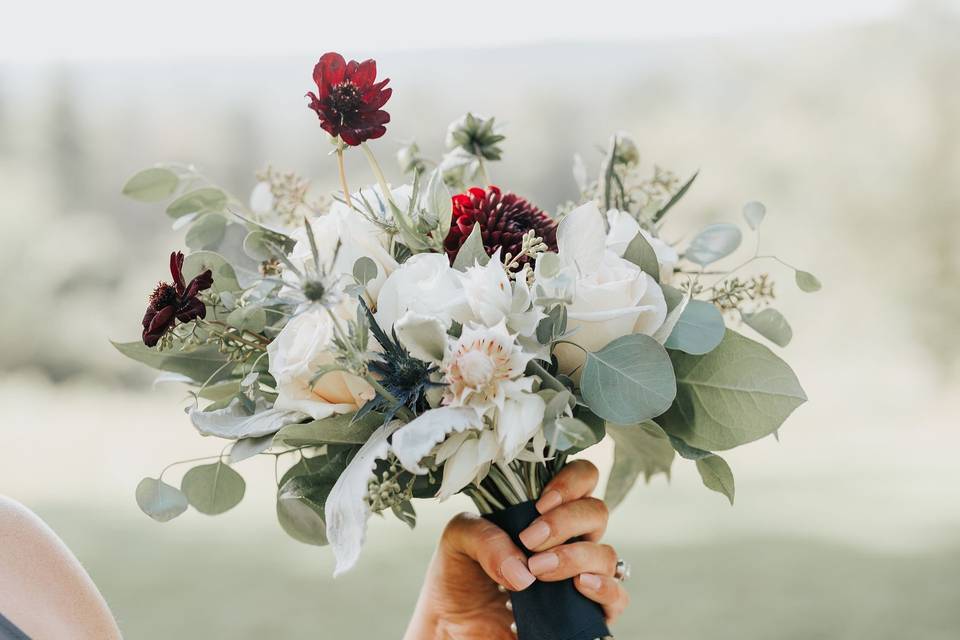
[(475, 134)]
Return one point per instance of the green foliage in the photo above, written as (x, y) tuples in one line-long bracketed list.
[(151, 185), (737, 393), (207, 232), (753, 213), (252, 318), (224, 277), (566, 434), (675, 198), (337, 429), (714, 242), (471, 252), (716, 475), (807, 281), (640, 253), (303, 493), (638, 449), (405, 513), (686, 451), (213, 488), (628, 381), (364, 270), (203, 200), (699, 329), (159, 500), (771, 324), (197, 363)]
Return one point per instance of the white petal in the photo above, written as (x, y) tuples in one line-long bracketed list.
[(346, 510), (425, 337), (468, 464), (233, 422), (519, 421), (417, 438), (581, 238)]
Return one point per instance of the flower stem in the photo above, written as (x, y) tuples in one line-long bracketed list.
[(483, 172), (343, 174), (378, 172)]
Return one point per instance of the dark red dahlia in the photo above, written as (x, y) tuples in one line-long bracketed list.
[(349, 100), (503, 219), (172, 302)]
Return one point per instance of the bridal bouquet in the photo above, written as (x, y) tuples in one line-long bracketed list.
[(448, 336)]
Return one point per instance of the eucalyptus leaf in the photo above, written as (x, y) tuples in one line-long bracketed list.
[(566, 433), (213, 488), (337, 429), (207, 232), (198, 201), (249, 447), (640, 253), (716, 475), (406, 513), (807, 281), (771, 324), (438, 202), (151, 185), (714, 242), (699, 329), (638, 449), (252, 318), (686, 451), (753, 213), (256, 245), (224, 276), (159, 500), (628, 381), (364, 270), (472, 251), (197, 363), (739, 392), (300, 507)]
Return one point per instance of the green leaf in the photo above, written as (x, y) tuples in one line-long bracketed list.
[(213, 488), (675, 199), (553, 325), (771, 324), (628, 381), (548, 264), (207, 232), (300, 508), (224, 277), (739, 392), (251, 318), (566, 433), (638, 449), (716, 475), (438, 202), (686, 451), (640, 253), (807, 281), (714, 242), (197, 363), (198, 201), (753, 213), (159, 500), (151, 185), (471, 252), (406, 513), (364, 270), (699, 329), (338, 429)]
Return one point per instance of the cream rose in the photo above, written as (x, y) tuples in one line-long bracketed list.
[(425, 284), (301, 348)]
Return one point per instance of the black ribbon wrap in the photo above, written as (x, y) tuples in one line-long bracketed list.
[(548, 610)]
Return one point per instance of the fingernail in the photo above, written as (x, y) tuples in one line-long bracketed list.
[(535, 534), (543, 563), (590, 581), (515, 572), (550, 500)]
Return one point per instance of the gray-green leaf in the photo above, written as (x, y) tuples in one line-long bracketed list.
[(207, 232), (198, 201), (638, 449), (699, 329), (739, 392), (640, 253), (224, 276), (337, 429), (151, 185), (213, 488), (471, 252), (566, 433), (197, 363), (251, 318), (716, 475), (364, 270), (628, 381), (753, 213), (771, 324), (807, 281), (159, 500), (406, 513), (714, 242)]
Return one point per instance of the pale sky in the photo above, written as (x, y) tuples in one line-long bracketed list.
[(45, 30)]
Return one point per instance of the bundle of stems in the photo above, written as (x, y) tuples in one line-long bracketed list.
[(514, 483)]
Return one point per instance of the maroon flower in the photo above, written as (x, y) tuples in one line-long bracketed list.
[(503, 220), (172, 302), (349, 100)]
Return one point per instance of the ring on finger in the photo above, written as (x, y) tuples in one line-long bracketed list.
[(622, 572)]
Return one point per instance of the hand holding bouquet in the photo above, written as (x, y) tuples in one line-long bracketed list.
[(393, 344)]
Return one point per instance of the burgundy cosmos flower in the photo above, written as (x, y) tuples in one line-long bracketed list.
[(172, 302), (503, 219), (349, 100)]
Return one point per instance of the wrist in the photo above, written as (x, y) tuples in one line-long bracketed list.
[(425, 623)]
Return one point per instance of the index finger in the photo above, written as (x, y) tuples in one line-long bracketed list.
[(576, 480)]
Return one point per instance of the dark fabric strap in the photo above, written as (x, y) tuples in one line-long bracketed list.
[(10, 631)]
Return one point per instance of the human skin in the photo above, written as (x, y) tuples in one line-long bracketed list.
[(44, 589), (460, 598)]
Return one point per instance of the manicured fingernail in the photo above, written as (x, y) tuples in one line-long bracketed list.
[(550, 500), (543, 563), (534, 535), (515, 572), (590, 581)]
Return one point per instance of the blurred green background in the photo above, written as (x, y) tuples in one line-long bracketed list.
[(849, 133)]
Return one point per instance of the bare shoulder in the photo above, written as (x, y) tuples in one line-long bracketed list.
[(43, 587)]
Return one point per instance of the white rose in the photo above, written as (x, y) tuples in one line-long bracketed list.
[(300, 349), (426, 284), (624, 228), (610, 297)]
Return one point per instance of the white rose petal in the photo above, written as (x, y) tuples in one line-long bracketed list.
[(418, 437), (427, 284)]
